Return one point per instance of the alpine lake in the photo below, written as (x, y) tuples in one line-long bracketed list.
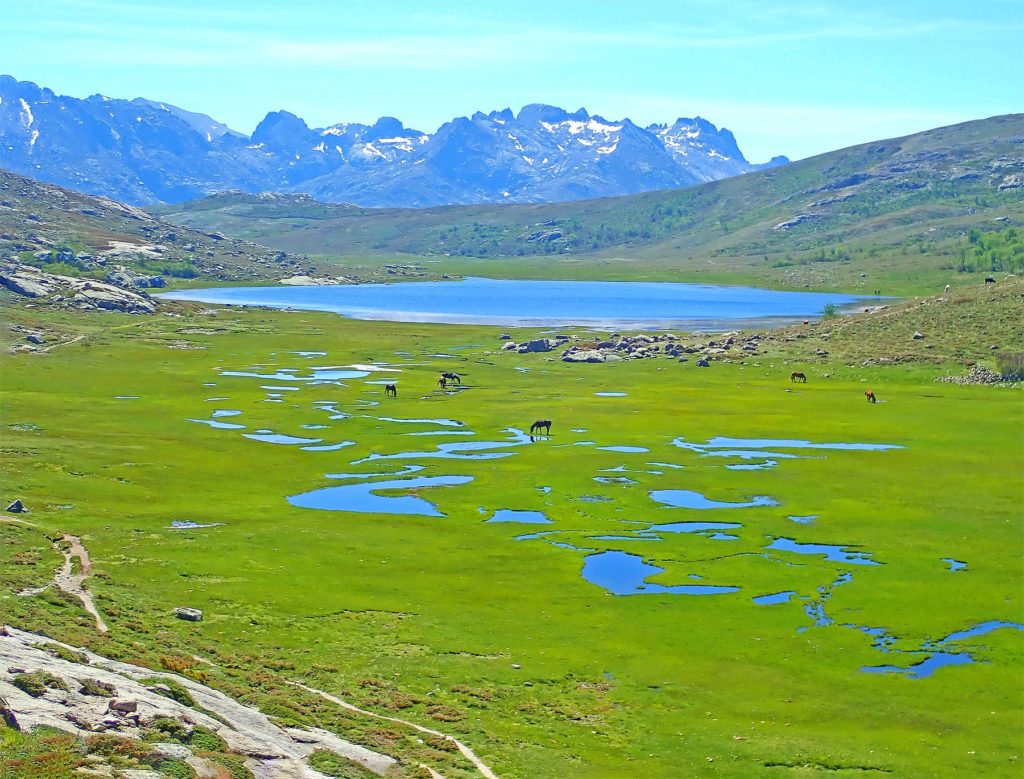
[(699, 572)]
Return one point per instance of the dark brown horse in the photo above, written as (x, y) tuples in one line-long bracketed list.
[(442, 383), (798, 376), (541, 424), (452, 377), (870, 396), (390, 390)]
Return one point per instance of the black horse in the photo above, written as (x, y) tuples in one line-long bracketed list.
[(453, 377), (541, 424), (390, 390)]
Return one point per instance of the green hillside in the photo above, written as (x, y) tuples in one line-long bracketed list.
[(902, 215)]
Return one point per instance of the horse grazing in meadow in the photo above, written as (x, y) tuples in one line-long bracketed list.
[(870, 396), (989, 280), (390, 390), (452, 377), (541, 424), (442, 383), (798, 376)]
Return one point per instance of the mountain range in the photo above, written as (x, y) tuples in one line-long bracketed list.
[(145, 152)]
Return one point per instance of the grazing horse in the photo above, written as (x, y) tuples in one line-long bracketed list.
[(390, 390), (989, 280), (541, 424), (870, 396), (946, 289), (452, 377), (442, 382), (798, 376)]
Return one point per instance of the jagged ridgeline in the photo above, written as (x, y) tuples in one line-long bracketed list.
[(142, 152), (921, 194)]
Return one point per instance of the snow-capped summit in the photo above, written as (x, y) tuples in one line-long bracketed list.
[(143, 151)]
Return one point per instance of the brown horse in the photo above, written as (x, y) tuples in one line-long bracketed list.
[(390, 390), (452, 377), (442, 382), (870, 396), (798, 376), (541, 424)]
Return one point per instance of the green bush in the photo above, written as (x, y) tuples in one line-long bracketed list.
[(169, 729), (66, 654), (207, 740), (97, 688), (175, 690), (176, 768), (36, 683), (333, 764)]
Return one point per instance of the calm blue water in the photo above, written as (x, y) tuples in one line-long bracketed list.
[(834, 553), (688, 499), (626, 574), (508, 302), (362, 497)]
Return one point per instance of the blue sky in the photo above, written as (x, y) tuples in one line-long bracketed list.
[(794, 78)]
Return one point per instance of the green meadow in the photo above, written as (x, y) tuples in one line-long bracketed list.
[(451, 622)]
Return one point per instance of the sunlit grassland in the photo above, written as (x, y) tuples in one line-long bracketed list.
[(502, 642)]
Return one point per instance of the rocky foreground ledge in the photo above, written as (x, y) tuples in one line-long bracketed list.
[(72, 292), (47, 683)]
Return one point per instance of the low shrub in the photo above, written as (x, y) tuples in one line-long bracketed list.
[(97, 688), (37, 682), (170, 688), (332, 764)]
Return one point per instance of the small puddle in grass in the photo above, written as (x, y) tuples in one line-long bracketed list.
[(363, 497), (268, 437), (721, 442), (955, 565), (445, 422), (752, 466), (622, 573), (831, 552), (688, 499), (190, 525), (328, 447), (628, 449), (459, 450), (610, 394), (218, 425), (778, 597)]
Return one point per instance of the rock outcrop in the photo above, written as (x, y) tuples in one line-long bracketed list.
[(71, 292), (272, 751)]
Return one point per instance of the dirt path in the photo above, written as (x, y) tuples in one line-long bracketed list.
[(72, 582), (76, 339), (468, 753)]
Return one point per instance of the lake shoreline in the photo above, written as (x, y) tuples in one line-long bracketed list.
[(596, 305)]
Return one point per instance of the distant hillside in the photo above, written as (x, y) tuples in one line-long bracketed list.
[(909, 202), (144, 151), (65, 232)]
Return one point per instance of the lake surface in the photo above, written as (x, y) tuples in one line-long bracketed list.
[(619, 304)]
